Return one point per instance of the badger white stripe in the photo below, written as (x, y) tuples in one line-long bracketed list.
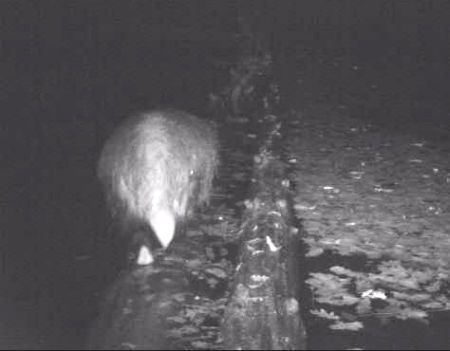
[(163, 224)]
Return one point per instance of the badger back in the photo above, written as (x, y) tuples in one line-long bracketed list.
[(158, 162)]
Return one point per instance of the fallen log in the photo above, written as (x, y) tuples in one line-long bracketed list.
[(137, 309), (264, 310), (164, 305)]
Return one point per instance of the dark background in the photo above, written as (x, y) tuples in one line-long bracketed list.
[(71, 70)]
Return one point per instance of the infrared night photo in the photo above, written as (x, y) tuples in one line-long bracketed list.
[(210, 174)]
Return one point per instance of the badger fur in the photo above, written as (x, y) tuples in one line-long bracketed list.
[(156, 168)]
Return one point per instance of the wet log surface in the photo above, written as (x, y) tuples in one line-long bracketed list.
[(137, 310), (165, 305)]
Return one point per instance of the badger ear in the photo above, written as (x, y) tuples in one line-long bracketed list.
[(163, 225)]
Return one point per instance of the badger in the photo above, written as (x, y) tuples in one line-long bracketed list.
[(156, 169)]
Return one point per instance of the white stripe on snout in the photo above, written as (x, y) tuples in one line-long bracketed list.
[(163, 224)]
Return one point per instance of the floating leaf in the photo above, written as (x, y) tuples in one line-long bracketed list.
[(354, 326), (325, 314)]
